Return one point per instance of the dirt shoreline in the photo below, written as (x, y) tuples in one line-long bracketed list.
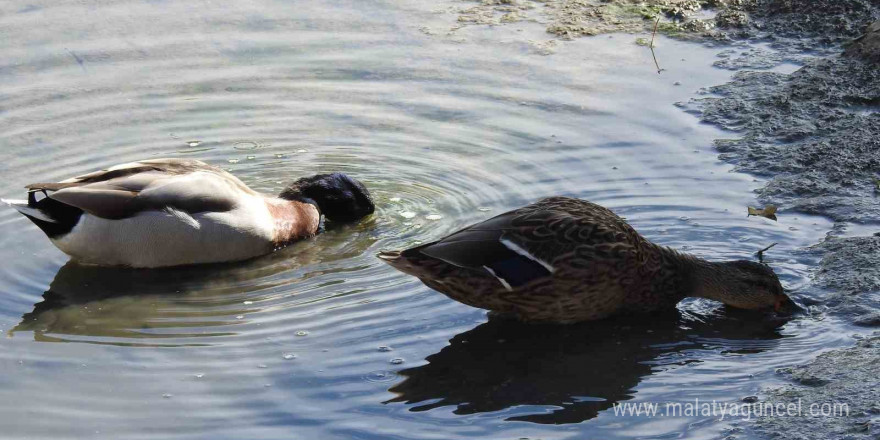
[(825, 24), (815, 134)]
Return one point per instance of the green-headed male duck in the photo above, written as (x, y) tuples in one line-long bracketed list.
[(566, 260), (169, 212)]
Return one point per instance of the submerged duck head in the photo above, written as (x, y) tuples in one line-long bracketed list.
[(338, 197), (744, 285)]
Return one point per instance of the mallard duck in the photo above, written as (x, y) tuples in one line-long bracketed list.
[(170, 212), (566, 260)]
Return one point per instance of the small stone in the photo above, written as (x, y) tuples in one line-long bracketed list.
[(729, 18), (867, 46)]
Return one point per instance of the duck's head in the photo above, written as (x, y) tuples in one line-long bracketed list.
[(339, 197), (744, 285)]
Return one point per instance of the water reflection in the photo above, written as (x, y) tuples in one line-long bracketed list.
[(181, 306), (571, 372)]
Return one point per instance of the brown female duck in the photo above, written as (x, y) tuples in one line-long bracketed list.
[(566, 260)]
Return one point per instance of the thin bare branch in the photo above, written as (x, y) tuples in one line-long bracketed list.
[(760, 253), (653, 34)]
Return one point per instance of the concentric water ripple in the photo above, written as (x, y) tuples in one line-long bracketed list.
[(306, 342)]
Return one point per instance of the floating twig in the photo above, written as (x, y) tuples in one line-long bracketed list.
[(653, 34), (760, 253), (656, 23), (79, 60)]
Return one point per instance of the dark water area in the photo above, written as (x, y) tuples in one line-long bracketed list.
[(321, 339)]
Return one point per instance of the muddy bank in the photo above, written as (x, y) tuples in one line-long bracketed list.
[(850, 271), (849, 277), (843, 379), (787, 22), (815, 133), (867, 46)]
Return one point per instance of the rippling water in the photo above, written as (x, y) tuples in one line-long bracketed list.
[(322, 340)]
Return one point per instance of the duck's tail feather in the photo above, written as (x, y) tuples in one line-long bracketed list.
[(24, 207), (406, 262), (396, 260), (388, 256)]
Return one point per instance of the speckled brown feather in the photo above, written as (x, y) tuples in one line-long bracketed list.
[(602, 266)]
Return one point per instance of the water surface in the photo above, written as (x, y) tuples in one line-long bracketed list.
[(322, 340)]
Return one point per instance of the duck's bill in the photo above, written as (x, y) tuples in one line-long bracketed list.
[(784, 305)]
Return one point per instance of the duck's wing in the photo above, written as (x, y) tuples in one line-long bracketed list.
[(523, 245), (125, 190)]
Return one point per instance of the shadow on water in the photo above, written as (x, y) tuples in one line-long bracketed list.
[(180, 306), (577, 371)]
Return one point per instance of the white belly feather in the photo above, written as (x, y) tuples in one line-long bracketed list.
[(171, 238)]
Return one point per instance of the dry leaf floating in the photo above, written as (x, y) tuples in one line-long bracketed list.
[(768, 211)]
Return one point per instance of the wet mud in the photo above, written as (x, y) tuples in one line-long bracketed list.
[(828, 23), (815, 134), (836, 394)]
